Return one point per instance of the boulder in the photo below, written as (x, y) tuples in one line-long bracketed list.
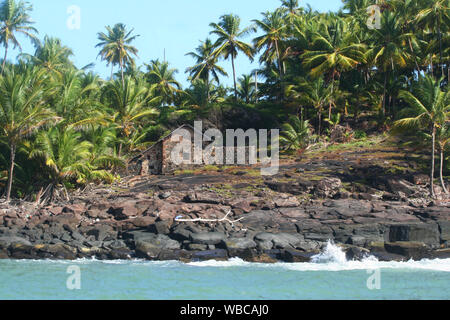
[(150, 247), (427, 233), (218, 254), (409, 250), (328, 187), (294, 256), (209, 238)]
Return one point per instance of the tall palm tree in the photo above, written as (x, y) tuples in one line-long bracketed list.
[(388, 52), (162, 79), (206, 64), (116, 47), (436, 15), (128, 101), (430, 109), (274, 31), (228, 43), (51, 55), (246, 88), (313, 93), (443, 139), (335, 50), (15, 20), (22, 111)]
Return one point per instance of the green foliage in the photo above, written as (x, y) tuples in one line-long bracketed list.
[(295, 134)]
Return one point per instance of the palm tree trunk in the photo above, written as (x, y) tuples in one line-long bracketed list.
[(11, 172), (234, 77), (280, 68), (433, 160), (112, 71), (384, 93), (121, 70), (440, 48), (441, 171), (4, 59)]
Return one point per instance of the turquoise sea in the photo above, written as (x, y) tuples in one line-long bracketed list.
[(330, 276)]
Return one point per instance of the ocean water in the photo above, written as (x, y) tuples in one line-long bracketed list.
[(329, 276)]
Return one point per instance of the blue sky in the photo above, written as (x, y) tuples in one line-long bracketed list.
[(174, 25)]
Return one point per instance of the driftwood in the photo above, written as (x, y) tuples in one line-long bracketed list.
[(224, 219)]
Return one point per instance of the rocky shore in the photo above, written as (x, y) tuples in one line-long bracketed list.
[(272, 225), (369, 202)]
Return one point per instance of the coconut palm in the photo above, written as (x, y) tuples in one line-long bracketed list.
[(313, 93), (206, 64), (51, 55), (274, 32), (128, 102), (443, 140), (116, 47), (246, 88), (429, 109), (22, 111), (295, 134), (67, 158), (15, 20), (228, 43), (335, 50), (162, 78), (388, 52), (436, 16)]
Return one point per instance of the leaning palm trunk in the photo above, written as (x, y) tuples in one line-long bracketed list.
[(433, 160), (234, 77), (441, 175), (11, 172), (4, 59)]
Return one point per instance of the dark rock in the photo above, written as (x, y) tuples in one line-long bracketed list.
[(415, 232), (213, 238), (218, 254), (410, 250), (328, 187), (294, 256), (150, 247), (444, 228)]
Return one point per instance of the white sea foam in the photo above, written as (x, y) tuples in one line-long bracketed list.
[(333, 259)]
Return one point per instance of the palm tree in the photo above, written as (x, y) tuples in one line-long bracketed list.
[(116, 47), (389, 51), (228, 44), (246, 88), (443, 139), (311, 93), (129, 102), (162, 79), (335, 50), (206, 63), (435, 15), (295, 134), (430, 109), (274, 31), (51, 55), (14, 20), (22, 111), (67, 158), (291, 10)]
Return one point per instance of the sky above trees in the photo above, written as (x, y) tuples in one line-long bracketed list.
[(175, 27)]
